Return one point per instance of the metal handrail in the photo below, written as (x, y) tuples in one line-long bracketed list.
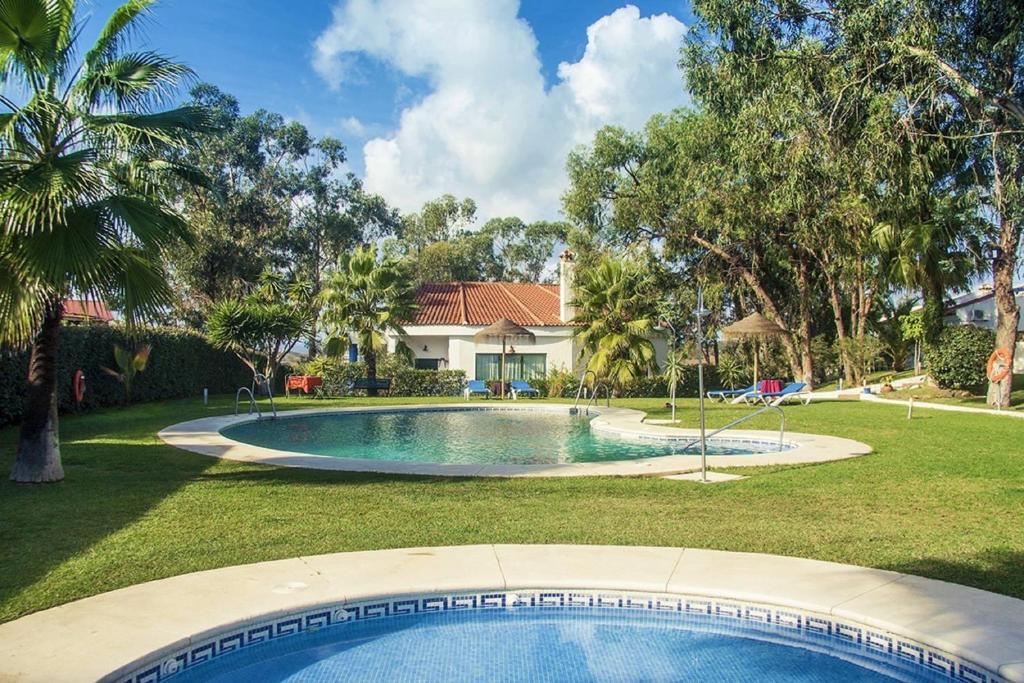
[(252, 402), (782, 426), (607, 396), (579, 390), (258, 380)]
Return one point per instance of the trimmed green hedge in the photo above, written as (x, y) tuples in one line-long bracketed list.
[(405, 381), (182, 363)]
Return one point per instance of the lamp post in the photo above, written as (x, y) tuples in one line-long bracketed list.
[(700, 383), (664, 323)]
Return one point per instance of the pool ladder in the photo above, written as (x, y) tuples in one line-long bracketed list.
[(258, 381), (782, 426), (597, 386)]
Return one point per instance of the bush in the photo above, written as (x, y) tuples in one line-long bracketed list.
[(657, 387), (958, 356), (182, 363), (405, 381)]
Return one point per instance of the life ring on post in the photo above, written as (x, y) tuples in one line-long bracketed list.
[(78, 386), (998, 367)]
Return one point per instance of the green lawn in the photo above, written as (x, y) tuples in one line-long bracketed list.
[(943, 496), (934, 394)]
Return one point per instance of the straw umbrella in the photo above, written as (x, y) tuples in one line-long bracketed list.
[(505, 330), (755, 326)]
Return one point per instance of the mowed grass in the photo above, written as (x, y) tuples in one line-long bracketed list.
[(942, 496)]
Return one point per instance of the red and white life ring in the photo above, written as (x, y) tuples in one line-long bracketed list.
[(78, 386), (999, 365)]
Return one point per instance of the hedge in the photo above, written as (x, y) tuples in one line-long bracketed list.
[(338, 376), (181, 364)]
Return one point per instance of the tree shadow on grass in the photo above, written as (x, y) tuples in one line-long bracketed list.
[(1000, 570), (107, 487)]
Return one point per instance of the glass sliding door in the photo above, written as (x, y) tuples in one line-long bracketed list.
[(518, 366)]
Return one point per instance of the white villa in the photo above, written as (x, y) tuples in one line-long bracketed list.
[(979, 308), (441, 333)]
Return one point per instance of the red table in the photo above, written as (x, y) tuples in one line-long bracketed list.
[(304, 383)]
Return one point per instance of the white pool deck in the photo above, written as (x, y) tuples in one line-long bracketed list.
[(100, 637), (203, 436)]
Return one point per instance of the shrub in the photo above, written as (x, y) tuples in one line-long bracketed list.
[(957, 357), (339, 375), (657, 387), (181, 364)]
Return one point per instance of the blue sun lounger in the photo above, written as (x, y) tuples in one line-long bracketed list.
[(476, 386), (774, 398), (725, 394), (520, 386)]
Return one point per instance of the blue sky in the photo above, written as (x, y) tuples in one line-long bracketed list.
[(265, 52)]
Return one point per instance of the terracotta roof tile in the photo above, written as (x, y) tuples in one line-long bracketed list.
[(77, 309), (483, 303)]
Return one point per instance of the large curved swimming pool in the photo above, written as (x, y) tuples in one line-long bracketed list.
[(553, 644), (452, 436)]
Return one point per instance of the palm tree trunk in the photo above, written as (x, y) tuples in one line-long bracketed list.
[(371, 367), (38, 457)]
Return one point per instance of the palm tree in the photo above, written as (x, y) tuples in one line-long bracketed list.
[(616, 309), (84, 159), (368, 298)]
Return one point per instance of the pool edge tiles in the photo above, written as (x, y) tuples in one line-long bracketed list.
[(862, 645), (116, 632), (204, 436)]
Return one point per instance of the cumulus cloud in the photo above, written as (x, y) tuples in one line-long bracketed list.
[(488, 128)]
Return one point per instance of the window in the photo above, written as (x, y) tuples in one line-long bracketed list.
[(427, 363), (979, 314), (519, 365)]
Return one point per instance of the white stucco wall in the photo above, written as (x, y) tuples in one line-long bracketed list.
[(456, 345)]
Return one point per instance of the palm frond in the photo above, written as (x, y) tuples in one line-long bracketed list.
[(117, 31), (137, 79), (152, 224), (175, 127)]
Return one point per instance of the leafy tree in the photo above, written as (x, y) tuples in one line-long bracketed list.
[(367, 298), (615, 306), (439, 219), (913, 328), (896, 347), (83, 162)]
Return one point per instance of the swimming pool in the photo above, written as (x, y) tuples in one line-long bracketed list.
[(506, 642), (453, 436)]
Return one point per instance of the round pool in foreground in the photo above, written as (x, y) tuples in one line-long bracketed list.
[(485, 437), (529, 643)]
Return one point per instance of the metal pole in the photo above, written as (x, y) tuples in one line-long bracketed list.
[(700, 384)]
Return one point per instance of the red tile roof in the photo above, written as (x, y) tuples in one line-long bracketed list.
[(79, 309), (483, 303)]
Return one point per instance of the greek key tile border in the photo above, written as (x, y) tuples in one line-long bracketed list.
[(821, 626)]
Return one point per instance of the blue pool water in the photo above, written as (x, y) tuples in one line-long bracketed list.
[(551, 644), (460, 436)]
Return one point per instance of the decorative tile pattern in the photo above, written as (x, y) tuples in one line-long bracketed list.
[(805, 626)]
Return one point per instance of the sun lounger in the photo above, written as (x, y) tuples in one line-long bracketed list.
[(476, 386), (794, 390), (725, 394), (519, 386)]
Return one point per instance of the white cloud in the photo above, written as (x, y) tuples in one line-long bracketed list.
[(488, 129), (353, 126)]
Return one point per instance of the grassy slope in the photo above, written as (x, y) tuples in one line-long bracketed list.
[(942, 497)]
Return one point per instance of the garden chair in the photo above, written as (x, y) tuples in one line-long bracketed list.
[(522, 387), (794, 390), (725, 394), (476, 386)]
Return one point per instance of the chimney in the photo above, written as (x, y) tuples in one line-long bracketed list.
[(566, 268)]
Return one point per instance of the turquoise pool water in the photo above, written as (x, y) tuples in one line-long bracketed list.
[(514, 437), (553, 644)]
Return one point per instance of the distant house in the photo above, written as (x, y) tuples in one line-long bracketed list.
[(979, 308), (86, 312), (449, 314)]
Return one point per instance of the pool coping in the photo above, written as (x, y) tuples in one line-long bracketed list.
[(109, 636), (203, 436)]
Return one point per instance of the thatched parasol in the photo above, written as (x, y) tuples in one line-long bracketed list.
[(504, 329), (754, 326)]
